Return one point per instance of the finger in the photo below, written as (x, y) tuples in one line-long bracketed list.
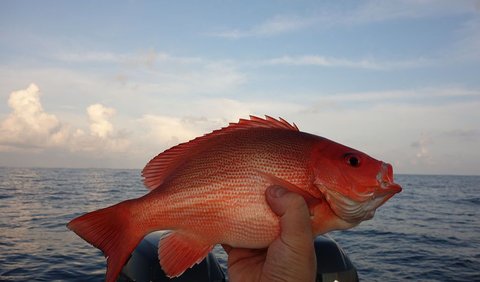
[(292, 254), (294, 214)]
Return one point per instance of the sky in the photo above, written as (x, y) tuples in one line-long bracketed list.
[(110, 84)]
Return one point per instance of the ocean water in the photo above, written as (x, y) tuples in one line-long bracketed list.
[(429, 232)]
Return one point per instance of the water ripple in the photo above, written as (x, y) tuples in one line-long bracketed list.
[(429, 232)]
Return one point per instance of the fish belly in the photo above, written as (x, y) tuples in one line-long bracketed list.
[(239, 216)]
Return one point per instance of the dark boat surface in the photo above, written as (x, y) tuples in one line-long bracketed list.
[(332, 264)]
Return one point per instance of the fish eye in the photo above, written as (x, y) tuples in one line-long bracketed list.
[(352, 160)]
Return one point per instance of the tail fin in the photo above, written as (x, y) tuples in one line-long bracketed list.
[(114, 231)]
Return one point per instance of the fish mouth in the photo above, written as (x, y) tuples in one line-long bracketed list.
[(362, 206)]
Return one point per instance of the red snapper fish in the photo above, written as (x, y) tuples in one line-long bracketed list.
[(211, 190)]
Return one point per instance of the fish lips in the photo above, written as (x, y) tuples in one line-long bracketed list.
[(356, 210), (380, 196), (387, 190)]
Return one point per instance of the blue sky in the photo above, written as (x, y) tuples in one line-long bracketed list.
[(112, 83)]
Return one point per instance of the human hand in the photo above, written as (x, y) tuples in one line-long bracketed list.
[(290, 257)]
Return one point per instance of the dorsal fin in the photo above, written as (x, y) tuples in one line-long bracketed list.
[(164, 163)]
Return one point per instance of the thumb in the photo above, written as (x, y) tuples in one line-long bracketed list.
[(294, 215), (291, 257)]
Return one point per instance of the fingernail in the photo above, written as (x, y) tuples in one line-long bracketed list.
[(277, 191)]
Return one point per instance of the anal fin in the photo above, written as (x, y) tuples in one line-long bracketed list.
[(177, 252)]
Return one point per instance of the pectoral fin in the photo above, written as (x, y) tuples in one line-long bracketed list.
[(309, 198)]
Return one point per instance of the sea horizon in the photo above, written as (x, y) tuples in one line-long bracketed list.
[(114, 168)]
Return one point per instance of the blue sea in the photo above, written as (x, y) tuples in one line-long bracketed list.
[(429, 232)]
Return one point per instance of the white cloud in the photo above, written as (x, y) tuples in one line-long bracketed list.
[(424, 95), (206, 78), (28, 125), (322, 61), (157, 132), (167, 130), (415, 137), (274, 26), (88, 57), (103, 138), (385, 129), (366, 12), (156, 72), (167, 74), (384, 126), (100, 125), (148, 58), (421, 146)]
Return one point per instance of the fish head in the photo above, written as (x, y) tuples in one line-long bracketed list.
[(352, 183)]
